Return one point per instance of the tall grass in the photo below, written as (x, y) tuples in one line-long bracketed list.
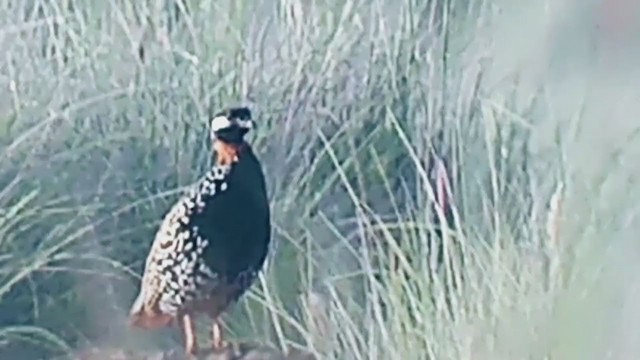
[(103, 125)]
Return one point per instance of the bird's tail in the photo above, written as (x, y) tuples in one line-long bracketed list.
[(142, 316)]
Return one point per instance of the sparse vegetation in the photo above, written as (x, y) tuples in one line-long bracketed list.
[(102, 124)]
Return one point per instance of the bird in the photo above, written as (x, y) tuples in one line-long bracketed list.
[(212, 243)]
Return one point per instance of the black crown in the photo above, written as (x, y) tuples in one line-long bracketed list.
[(240, 113)]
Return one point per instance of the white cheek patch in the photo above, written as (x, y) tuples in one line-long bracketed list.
[(219, 123)]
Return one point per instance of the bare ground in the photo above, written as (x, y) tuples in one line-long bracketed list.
[(236, 351)]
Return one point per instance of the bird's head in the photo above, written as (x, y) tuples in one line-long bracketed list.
[(231, 125), (227, 131)]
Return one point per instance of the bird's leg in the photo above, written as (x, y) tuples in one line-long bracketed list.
[(189, 333), (218, 339)]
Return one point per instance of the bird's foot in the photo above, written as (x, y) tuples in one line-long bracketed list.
[(218, 343), (192, 350), (221, 346)]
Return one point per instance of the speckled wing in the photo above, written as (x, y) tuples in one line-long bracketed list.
[(174, 269)]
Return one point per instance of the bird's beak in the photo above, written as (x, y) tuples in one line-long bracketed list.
[(246, 124)]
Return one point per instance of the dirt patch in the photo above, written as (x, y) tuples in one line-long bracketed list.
[(236, 351)]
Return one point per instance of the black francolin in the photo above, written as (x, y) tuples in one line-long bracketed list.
[(212, 242)]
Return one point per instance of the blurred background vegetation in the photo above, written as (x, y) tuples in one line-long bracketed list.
[(531, 105)]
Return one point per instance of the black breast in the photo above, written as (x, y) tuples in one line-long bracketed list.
[(236, 220)]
